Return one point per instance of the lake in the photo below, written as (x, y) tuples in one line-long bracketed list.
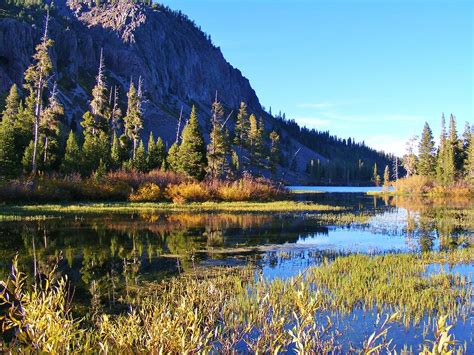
[(114, 251), (338, 189)]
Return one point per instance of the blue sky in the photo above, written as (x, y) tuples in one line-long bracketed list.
[(375, 70)]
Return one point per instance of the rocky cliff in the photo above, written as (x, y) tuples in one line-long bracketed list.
[(176, 61)]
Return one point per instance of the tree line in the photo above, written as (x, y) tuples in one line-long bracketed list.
[(31, 132), (450, 162)]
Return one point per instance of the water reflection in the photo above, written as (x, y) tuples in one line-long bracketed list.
[(106, 258)]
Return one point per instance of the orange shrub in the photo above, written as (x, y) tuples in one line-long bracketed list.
[(188, 192), (135, 179), (148, 192), (416, 185), (233, 192)]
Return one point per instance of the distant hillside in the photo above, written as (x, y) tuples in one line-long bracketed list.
[(179, 66)]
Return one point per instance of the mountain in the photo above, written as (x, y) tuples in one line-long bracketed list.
[(179, 67)]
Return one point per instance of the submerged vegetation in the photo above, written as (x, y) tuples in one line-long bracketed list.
[(229, 310)]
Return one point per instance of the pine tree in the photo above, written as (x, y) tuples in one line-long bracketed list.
[(274, 151), (440, 162), (27, 157), (139, 161), (241, 126), (96, 149), (426, 151), (217, 164), (216, 153), (8, 154), (116, 154), (235, 162), (99, 103), (192, 151), (72, 155), (172, 160), (49, 129), (255, 141), (24, 124), (468, 132), (154, 157), (450, 154), (12, 106), (96, 120), (36, 80), (133, 120), (386, 176)]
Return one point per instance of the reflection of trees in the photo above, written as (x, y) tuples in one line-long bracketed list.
[(447, 220)]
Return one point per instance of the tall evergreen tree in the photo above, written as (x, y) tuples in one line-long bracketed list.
[(242, 126), (49, 129), (450, 154), (133, 119), (440, 162), (466, 139), (72, 155), (96, 120), (36, 80), (172, 159), (100, 109), (426, 151), (12, 106), (156, 152), (255, 142), (192, 151), (96, 147), (217, 149), (139, 161)]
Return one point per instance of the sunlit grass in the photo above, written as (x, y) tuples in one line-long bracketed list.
[(229, 309), (8, 212)]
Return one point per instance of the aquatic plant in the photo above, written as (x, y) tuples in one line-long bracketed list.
[(230, 310)]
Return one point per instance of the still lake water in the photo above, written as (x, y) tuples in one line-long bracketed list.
[(116, 251)]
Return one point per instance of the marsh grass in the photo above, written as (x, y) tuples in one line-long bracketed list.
[(230, 310), (17, 212)]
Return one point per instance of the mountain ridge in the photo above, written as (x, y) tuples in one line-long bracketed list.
[(177, 61)]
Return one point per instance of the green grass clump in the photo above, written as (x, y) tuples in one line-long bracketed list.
[(344, 218), (395, 280)]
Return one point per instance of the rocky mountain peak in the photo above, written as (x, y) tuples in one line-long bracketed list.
[(123, 17)]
